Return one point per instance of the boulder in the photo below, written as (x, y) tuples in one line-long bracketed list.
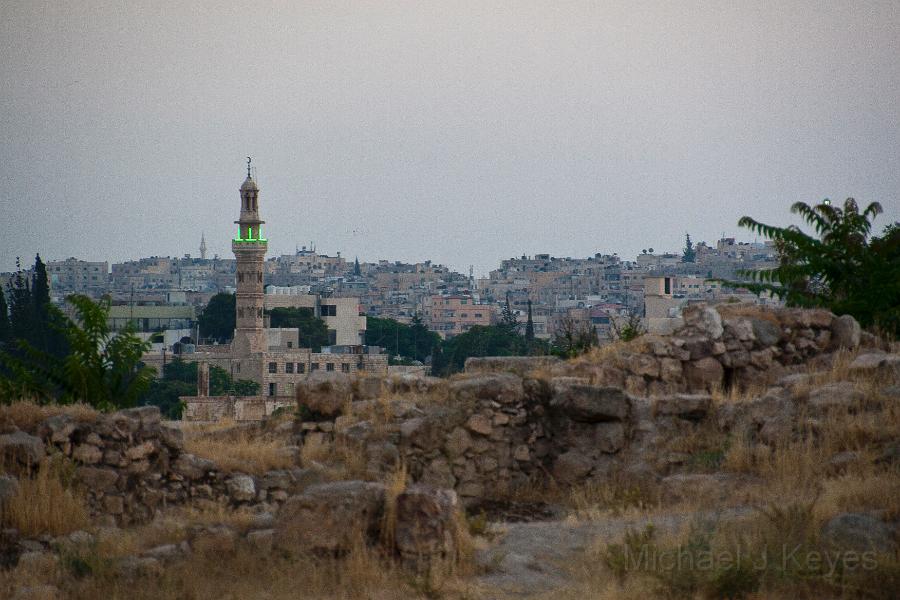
[(241, 488), (572, 466), (479, 424), (21, 448), (98, 479), (330, 516), (705, 373), (262, 539), (692, 407), (766, 332), (589, 403), (859, 532), (192, 467), (504, 388), (58, 429), (424, 524), (326, 394), (840, 395), (845, 332), (609, 437), (145, 416), (878, 365), (704, 319), (457, 442)]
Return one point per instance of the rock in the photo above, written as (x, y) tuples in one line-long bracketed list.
[(21, 448), (424, 524), (842, 460), (87, 454), (590, 403), (241, 488), (439, 474), (114, 505), (146, 416), (141, 451), (99, 479), (572, 466), (705, 373), (163, 553), (705, 319), (845, 332), (9, 487), (840, 395), (766, 332), (329, 516), (479, 424), (644, 365), (326, 394), (520, 365), (692, 407), (860, 532), (58, 429), (192, 467), (609, 437), (458, 441), (215, 540), (504, 388), (133, 567), (522, 453), (880, 366), (172, 437), (262, 540)]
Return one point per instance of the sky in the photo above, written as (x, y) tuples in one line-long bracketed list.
[(461, 132)]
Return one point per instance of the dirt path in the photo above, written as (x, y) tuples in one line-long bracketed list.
[(530, 559)]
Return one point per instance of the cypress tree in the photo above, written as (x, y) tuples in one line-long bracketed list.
[(21, 307), (529, 326), (4, 318)]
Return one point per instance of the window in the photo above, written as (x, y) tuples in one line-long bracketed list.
[(332, 337), (290, 389), (329, 310), (289, 367), (301, 368), (273, 367), (314, 367), (329, 366), (273, 387), (361, 366), (345, 368), (290, 344), (477, 315)]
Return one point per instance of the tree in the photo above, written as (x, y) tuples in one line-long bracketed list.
[(508, 317), (838, 268), (483, 340), (413, 342), (356, 270), (572, 338), (529, 327), (689, 255), (4, 318), (180, 379), (218, 319), (100, 369), (313, 332)]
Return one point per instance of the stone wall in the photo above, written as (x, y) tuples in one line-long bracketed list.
[(487, 433), (130, 465)]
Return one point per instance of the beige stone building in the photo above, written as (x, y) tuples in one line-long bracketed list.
[(452, 315)]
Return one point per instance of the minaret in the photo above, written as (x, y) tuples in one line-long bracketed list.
[(202, 246), (249, 248)]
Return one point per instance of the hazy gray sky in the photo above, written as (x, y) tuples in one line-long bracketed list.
[(464, 132)]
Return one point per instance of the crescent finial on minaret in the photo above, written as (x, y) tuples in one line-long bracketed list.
[(248, 166)]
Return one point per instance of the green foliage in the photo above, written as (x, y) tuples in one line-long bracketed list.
[(313, 331), (4, 318), (689, 255), (838, 268), (573, 338), (631, 329), (529, 326), (480, 340), (100, 369), (409, 342), (218, 319)]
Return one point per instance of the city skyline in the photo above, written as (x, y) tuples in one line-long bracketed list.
[(464, 134)]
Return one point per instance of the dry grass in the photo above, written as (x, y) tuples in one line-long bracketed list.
[(27, 415), (244, 454), (394, 486), (876, 491), (342, 459), (45, 503)]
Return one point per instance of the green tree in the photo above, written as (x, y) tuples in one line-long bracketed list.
[(573, 338), (356, 270), (496, 340), (180, 379), (406, 342), (101, 368), (529, 327), (218, 319), (839, 267), (313, 331), (689, 255), (4, 318), (508, 318)]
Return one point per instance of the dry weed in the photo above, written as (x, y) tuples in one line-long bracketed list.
[(27, 415), (243, 454), (46, 503)]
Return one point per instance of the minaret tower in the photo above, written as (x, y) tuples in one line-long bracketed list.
[(202, 246), (249, 248)]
